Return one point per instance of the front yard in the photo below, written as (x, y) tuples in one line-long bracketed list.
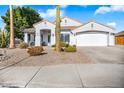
[(50, 57), (52, 69)]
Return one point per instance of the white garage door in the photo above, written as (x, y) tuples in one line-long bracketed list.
[(91, 39)]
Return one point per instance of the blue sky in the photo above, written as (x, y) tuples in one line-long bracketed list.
[(110, 15)]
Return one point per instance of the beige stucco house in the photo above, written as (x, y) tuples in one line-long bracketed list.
[(91, 33)]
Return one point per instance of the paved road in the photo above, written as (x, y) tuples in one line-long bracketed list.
[(71, 75)]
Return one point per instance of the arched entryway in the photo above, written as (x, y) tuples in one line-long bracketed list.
[(45, 37)]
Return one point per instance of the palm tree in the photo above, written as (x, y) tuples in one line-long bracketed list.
[(58, 47), (11, 29)]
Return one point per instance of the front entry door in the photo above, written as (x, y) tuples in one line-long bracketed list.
[(48, 38), (41, 38)]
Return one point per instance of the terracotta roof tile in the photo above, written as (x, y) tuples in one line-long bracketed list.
[(29, 30), (68, 27), (120, 33)]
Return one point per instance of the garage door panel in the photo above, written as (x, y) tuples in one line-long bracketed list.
[(91, 39)]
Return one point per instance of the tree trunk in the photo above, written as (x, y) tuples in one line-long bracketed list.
[(11, 29), (58, 47)]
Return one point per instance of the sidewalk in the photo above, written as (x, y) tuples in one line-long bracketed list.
[(68, 75)]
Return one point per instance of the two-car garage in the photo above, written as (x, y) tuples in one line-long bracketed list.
[(92, 39), (94, 34)]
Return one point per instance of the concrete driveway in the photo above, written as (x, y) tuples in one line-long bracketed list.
[(113, 54)]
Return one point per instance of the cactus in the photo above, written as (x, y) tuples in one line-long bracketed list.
[(4, 39), (3, 43)]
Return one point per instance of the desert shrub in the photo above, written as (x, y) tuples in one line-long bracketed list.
[(23, 45), (62, 49), (36, 50), (74, 45), (64, 44), (67, 45), (70, 49), (53, 46)]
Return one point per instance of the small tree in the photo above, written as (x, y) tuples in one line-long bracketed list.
[(23, 17), (4, 39), (3, 43)]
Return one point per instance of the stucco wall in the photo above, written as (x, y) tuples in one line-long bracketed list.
[(112, 40), (69, 22), (26, 37), (41, 26), (90, 26), (93, 26)]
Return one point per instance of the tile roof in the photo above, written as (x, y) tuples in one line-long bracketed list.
[(29, 30), (120, 33), (68, 27)]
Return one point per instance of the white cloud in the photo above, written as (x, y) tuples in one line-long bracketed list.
[(0, 18), (19, 5), (102, 10), (112, 24), (50, 13), (112, 8), (64, 6), (2, 24)]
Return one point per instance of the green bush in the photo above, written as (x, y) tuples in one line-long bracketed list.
[(74, 45), (70, 49), (36, 50), (53, 46), (64, 44), (23, 45), (4, 39)]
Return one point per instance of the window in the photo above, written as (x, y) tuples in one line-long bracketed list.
[(91, 25), (48, 38), (65, 38), (29, 37), (41, 38), (65, 21)]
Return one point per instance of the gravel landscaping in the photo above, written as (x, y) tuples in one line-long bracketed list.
[(49, 57), (84, 55), (14, 56)]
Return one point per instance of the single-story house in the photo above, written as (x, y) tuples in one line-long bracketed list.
[(73, 32), (119, 38)]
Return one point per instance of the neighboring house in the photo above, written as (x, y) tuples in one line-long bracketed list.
[(119, 38), (73, 32)]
